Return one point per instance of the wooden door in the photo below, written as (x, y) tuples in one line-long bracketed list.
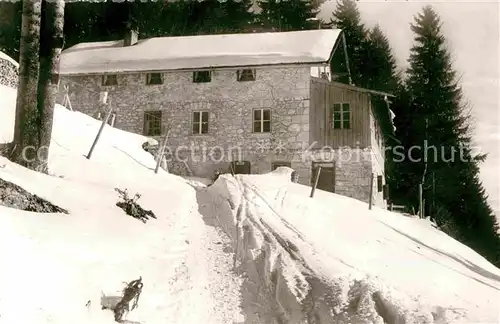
[(326, 179)]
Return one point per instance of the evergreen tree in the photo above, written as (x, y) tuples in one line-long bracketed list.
[(347, 17), (216, 17), (372, 65), (27, 125), (381, 70), (10, 27), (433, 118), (381, 74), (288, 15)]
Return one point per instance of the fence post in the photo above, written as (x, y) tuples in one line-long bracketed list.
[(162, 151), (370, 201), (316, 179), (104, 122), (420, 201)]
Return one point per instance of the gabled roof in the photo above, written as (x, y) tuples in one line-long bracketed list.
[(198, 52)]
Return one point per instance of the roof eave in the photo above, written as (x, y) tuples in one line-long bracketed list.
[(291, 64), (335, 46)]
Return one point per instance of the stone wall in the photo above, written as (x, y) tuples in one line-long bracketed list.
[(285, 91), (353, 169), (8, 71)]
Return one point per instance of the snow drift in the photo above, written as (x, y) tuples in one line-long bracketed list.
[(60, 268), (248, 249), (328, 259)]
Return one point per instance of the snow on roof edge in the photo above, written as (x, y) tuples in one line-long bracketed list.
[(221, 51), (213, 67)]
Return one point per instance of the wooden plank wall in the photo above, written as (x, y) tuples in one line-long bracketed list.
[(323, 96)]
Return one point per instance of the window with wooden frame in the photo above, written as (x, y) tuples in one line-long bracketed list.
[(152, 123), (200, 122), (246, 75), (341, 116), (262, 121), (202, 76), (109, 80), (154, 78)]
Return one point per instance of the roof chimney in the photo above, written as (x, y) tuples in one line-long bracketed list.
[(131, 37)]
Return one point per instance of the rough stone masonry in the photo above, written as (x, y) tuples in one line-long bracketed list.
[(285, 91), (230, 104)]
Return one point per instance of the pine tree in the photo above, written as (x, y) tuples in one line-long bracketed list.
[(51, 43), (10, 27), (381, 70), (382, 75), (347, 17), (434, 116), (27, 123), (288, 15)]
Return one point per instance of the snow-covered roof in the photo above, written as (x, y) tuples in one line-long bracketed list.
[(203, 51)]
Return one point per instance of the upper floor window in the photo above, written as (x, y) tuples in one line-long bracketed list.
[(202, 76), (246, 75), (152, 123), (154, 78), (200, 122), (262, 121), (341, 116), (109, 80)]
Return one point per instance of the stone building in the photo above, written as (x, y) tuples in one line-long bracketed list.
[(243, 103)]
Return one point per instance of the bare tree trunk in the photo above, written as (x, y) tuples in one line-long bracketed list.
[(50, 52), (26, 128)]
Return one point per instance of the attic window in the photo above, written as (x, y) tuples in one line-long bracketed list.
[(202, 76), (154, 78), (109, 80), (246, 75)]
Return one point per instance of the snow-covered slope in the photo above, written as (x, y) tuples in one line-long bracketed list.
[(7, 113), (331, 259), (326, 259), (54, 264)]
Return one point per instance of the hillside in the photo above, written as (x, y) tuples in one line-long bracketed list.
[(249, 249)]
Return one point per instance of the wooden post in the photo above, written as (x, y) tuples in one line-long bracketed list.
[(113, 118), (420, 201), (316, 179), (370, 201), (66, 102), (162, 151), (104, 121)]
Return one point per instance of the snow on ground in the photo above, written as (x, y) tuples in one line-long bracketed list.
[(326, 259), (332, 259), (7, 114), (54, 264)]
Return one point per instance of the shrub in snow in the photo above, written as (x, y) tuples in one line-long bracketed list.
[(11, 195), (131, 294), (132, 208)]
